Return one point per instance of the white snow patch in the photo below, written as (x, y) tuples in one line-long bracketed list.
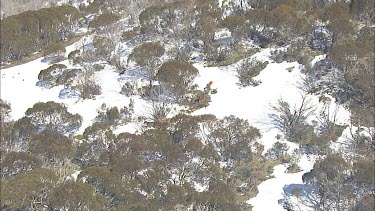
[(74, 176)]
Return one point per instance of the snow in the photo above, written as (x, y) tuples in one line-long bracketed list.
[(74, 176), (272, 189), (18, 87), (253, 104), (132, 127), (250, 103)]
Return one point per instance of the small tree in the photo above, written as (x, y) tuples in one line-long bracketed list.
[(109, 116), (292, 121), (233, 137), (86, 85), (177, 76), (331, 176), (236, 24), (103, 20), (247, 70), (52, 146), (54, 50), (147, 55), (14, 163), (28, 191), (17, 136), (48, 77), (339, 23), (5, 109), (75, 57), (279, 151), (76, 196), (54, 116), (159, 111), (97, 139)]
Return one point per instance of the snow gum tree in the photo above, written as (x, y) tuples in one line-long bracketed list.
[(233, 138), (16, 136), (14, 163), (292, 121), (147, 55), (54, 116), (332, 177), (177, 76), (76, 196), (28, 191), (95, 145)]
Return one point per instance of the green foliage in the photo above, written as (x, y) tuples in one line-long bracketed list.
[(253, 172), (159, 17), (292, 121), (233, 137), (50, 75), (288, 22), (247, 70), (74, 57), (364, 9), (207, 8), (14, 163), (5, 109), (177, 76), (29, 190), (103, 20), (233, 22), (100, 177), (331, 173), (76, 196), (68, 77), (220, 195), (363, 173), (183, 127), (199, 99), (113, 115), (129, 35), (54, 49), (206, 27), (54, 116), (16, 136), (339, 20), (31, 31), (293, 168), (94, 146), (52, 146), (146, 53), (278, 152)]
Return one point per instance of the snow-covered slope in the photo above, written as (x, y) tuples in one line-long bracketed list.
[(18, 87)]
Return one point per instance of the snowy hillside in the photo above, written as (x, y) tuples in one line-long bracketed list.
[(251, 103), (185, 105)]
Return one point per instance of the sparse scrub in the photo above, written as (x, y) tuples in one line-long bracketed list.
[(247, 70), (292, 121), (293, 168), (278, 152)]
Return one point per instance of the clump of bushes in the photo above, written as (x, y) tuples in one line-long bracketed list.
[(247, 70), (48, 77), (103, 20), (113, 115), (177, 77), (293, 168), (74, 57)]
